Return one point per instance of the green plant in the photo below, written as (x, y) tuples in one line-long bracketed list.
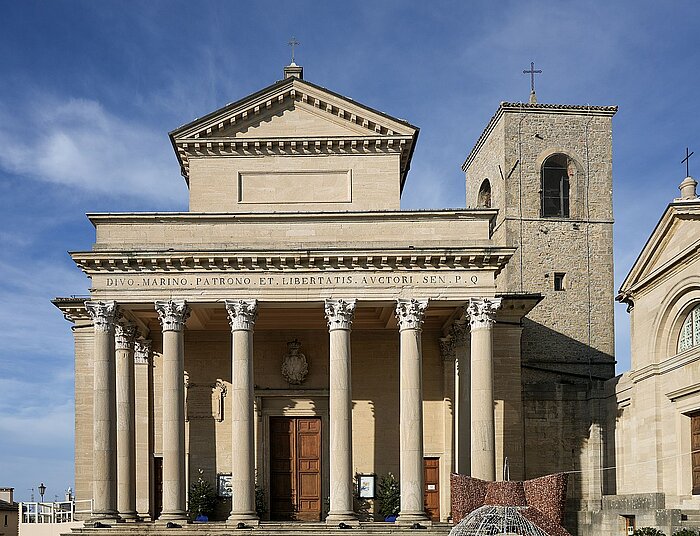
[(685, 532), (202, 498), (388, 495), (648, 531)]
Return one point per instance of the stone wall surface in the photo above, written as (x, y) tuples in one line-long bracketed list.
[(295, 183)]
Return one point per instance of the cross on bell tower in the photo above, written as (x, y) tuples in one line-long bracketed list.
[(532, 72)]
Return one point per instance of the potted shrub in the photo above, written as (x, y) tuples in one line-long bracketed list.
[(388, 495), (202, 499)]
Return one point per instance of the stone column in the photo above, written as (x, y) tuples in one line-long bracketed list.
[(339, 315), (410, 315), (104, 407), (460, 332), (143, 381), (126, 445), (241, 316), (482, 313), (173, 315)]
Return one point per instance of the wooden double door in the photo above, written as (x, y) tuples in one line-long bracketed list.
[(295, 468)]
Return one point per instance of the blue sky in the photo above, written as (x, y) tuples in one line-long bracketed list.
[(89, 90)]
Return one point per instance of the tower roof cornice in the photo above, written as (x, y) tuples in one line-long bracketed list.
[(534, 108)]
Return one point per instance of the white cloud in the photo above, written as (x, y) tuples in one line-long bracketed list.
[(76, 142)]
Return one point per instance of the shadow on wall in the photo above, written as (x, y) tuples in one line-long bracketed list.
[(550, 356), (569, 415)]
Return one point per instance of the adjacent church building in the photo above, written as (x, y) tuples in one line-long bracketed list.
[(296, 331)]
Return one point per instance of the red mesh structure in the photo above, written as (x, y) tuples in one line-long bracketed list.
[(509, 493), (548, 495), (540, 500), (467, 495)]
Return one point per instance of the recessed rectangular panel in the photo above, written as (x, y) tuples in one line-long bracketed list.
[(293, 187)]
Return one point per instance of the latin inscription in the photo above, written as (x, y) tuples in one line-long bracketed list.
[(293, 281)]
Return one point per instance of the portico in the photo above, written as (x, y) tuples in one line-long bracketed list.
[(294, 329)]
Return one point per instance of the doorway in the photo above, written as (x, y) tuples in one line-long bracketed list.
[(431, 477), (295, 468)]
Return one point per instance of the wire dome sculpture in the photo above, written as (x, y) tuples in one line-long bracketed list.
[(496, 520)]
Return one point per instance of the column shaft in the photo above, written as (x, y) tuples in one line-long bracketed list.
[(173, 315), (143, 382), (126, 439), (104, 458), (339, 314), (242, 314), (463, 420), (483, 451), (410, 315)]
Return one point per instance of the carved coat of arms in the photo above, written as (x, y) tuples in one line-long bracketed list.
[(294, 365)]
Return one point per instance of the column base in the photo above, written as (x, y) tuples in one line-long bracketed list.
[(129, 516), (409, 518), (104, 518), (249, 518), (349, 518), (176, 517)]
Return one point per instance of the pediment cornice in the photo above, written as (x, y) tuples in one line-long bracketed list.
[(646, 271)]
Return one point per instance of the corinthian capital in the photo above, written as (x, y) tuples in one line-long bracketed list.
[(173, 314), (482, 312), (410, 313), (339, 313), (142, 351), (241, 314), (124, 334), (447, 348), (460, 332), (103, 313)]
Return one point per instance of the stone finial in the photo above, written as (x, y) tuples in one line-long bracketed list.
[(294, 71), (142, 351), (173, 314), (410, 313), (339, 313), (688, 188), (241, 314), (124, 334), (482, 311), (533, 97), (104, 314)]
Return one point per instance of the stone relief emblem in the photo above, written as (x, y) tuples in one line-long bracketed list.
[(294, 365)]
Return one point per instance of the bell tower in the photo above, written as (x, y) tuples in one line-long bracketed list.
[(548, 169)]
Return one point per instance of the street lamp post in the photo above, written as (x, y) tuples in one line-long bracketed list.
[(42, 490)]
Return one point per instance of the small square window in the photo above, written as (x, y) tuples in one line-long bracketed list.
[(559, 281)]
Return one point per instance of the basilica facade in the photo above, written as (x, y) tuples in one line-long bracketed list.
[(296, 331)]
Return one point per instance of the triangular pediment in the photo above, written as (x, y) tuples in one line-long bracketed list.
[(291, 120), (299, 108), (675, 239), (293, 116)]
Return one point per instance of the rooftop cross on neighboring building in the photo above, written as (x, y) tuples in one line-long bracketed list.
[(532, 72), (293, 43), (685, 161)]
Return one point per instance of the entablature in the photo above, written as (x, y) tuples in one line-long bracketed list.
[(475, 258)]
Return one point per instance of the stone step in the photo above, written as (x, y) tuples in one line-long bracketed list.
[(264, 529)]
